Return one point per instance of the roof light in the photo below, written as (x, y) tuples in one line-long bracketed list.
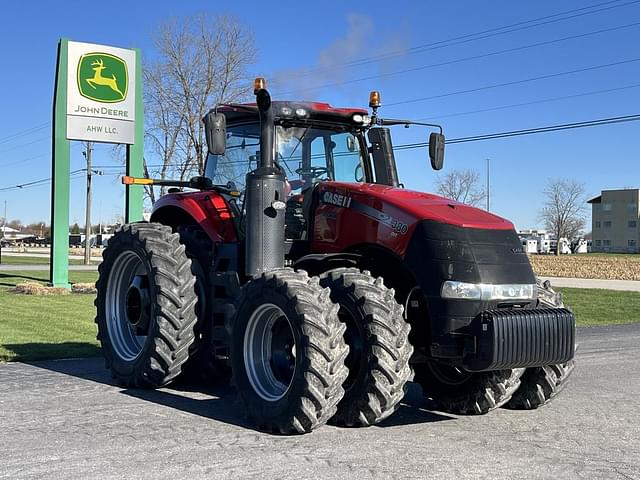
[(374, 99), (301, 112), (286, 111), (259, 84), (357, 118)]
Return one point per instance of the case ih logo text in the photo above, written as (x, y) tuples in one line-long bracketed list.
[(103, 77), (336, 199)]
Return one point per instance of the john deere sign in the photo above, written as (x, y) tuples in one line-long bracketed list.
[(98, 98), (101, 100), (102, 77)]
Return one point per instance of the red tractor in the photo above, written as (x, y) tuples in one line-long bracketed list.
[(303, 265)]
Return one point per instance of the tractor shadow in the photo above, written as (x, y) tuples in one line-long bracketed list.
[(218, 401), (413, 410)]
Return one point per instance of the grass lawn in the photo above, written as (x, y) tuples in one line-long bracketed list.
[(26, 260), (602, 307), (44, 327)]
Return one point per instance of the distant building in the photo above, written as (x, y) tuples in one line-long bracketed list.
[(615, 221)]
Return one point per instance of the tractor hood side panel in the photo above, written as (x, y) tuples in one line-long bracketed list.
[(437, 238), (349, 214)]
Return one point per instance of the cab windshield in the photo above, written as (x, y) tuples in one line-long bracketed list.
[(306, 155)]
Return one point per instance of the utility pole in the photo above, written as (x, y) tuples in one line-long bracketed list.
[(4, 227), (4, 219), (488, 191), (87, 224)]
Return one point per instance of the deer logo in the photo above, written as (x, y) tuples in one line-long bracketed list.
[(98, 79), (102, 77)]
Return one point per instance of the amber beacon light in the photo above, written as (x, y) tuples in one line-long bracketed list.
[(374, 99), (259, 84)]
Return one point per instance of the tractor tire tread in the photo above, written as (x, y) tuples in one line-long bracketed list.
[(389, 349), (164, 355), (323, 370)]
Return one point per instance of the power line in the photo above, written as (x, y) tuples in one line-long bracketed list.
[(509, 28), (24, 160), (42, 181), (409, 146), (534, 102), (515, 82), (496, 31), (15, 147), (465, 59), (23, 133), (529, 131)]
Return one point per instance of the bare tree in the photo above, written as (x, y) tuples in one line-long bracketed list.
[(564, 207), (462, 186), (202, 61)]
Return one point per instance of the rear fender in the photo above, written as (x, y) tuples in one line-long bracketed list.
[(209, 210)]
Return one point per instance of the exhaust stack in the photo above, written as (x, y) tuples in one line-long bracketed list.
[(265, 202)]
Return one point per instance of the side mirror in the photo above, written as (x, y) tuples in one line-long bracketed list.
[(215, 127), (436, 150)]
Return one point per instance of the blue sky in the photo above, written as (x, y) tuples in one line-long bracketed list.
[(294, 38)]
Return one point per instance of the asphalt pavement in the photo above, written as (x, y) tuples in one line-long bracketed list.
[(67, 420)]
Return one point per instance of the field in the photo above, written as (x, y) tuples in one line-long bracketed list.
[(596, 265)]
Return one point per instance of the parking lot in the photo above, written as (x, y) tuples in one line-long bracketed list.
[(66, 419)]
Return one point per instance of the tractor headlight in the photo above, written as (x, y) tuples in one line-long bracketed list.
[(483, 291)]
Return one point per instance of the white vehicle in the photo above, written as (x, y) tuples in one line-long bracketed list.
[(529, 245), (544, 244), (581, 246)]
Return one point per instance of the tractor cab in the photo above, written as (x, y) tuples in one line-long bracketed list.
[(313, 143)]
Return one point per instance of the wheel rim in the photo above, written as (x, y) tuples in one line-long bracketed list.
[(128, 306), (448, 374), (269, 352)]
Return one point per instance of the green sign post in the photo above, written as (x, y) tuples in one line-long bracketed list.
[(97, 98)]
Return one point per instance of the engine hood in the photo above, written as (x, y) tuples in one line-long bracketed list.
[(426, 206)]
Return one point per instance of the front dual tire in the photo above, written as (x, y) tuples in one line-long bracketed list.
[(288, 352), (299, 344)]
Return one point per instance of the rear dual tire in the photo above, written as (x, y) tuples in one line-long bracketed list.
[(145, 305)]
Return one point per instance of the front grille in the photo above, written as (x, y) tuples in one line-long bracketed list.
[(521, 338)]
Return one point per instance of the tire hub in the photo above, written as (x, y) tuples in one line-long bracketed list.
[(128, 306), (269, 352), (137, 304)]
